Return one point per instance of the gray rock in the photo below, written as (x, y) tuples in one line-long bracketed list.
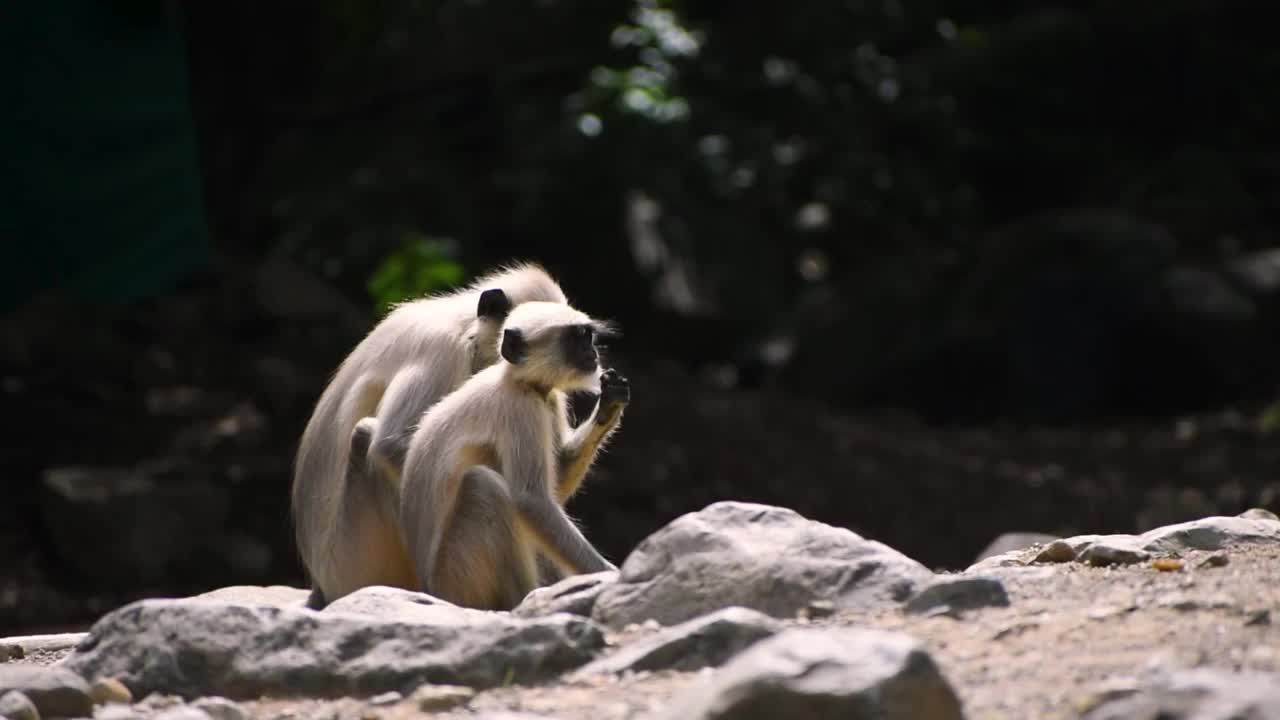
[(122, 526), (220, 708), (765, 558), (1011, 541), (821, 673), (55, 691), (707, 641), (1199, 694), (958, 593), (1258, 618), (43, 643), (1018, 580), (181, 712), (277, 595), (575, 595), (1114, 550), (16, 706), (159, 701), (407, 606), (1211, 533), (116, 711), (240, 651), (1259, 514), (1216, 560), (387, 698), (434, 698)]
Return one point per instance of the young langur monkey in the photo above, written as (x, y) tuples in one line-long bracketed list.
[(491, 465), (344, 513)]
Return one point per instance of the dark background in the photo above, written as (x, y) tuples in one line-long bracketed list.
[(931, 271)]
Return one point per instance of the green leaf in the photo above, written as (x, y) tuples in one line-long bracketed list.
[(1270, 419)]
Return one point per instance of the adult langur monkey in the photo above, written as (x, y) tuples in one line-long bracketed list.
[(491, 465), (419, 352)]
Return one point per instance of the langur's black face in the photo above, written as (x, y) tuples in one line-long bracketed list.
[(579, 348)]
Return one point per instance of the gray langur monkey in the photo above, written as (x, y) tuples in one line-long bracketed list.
[(492, 464), (344, 513)]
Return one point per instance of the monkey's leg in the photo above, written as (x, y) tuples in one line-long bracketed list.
[(484, 562), (555, 534), (408, 395), (577, 454), (385, 489)]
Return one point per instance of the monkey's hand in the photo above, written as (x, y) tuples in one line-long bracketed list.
[(615, 393)]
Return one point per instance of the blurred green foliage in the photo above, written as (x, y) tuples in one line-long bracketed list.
[(421, 265), (1270, 419)]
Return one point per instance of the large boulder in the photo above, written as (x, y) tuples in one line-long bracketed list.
[(707, 641), (765, 558), (825, 673), (205, 647)]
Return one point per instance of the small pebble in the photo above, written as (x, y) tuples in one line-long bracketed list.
[(109, 690), (156, 701), (16, 706), (1120, 553), (821, 609), (1218, 559), (431, 698), (386, 698), (1058, 551), (1167, 564), (1258, 617)]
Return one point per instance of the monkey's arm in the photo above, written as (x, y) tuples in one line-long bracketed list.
[(542, 518), (579, 451)]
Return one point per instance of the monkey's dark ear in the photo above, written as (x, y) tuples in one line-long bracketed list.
[(514, 347), (494, 305)]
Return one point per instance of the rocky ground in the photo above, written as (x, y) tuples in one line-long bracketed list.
[(736, 611)]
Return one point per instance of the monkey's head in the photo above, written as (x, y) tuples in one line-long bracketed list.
[(553, 345)]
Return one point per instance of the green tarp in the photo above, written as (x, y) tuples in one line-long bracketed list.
[(99, 186)]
